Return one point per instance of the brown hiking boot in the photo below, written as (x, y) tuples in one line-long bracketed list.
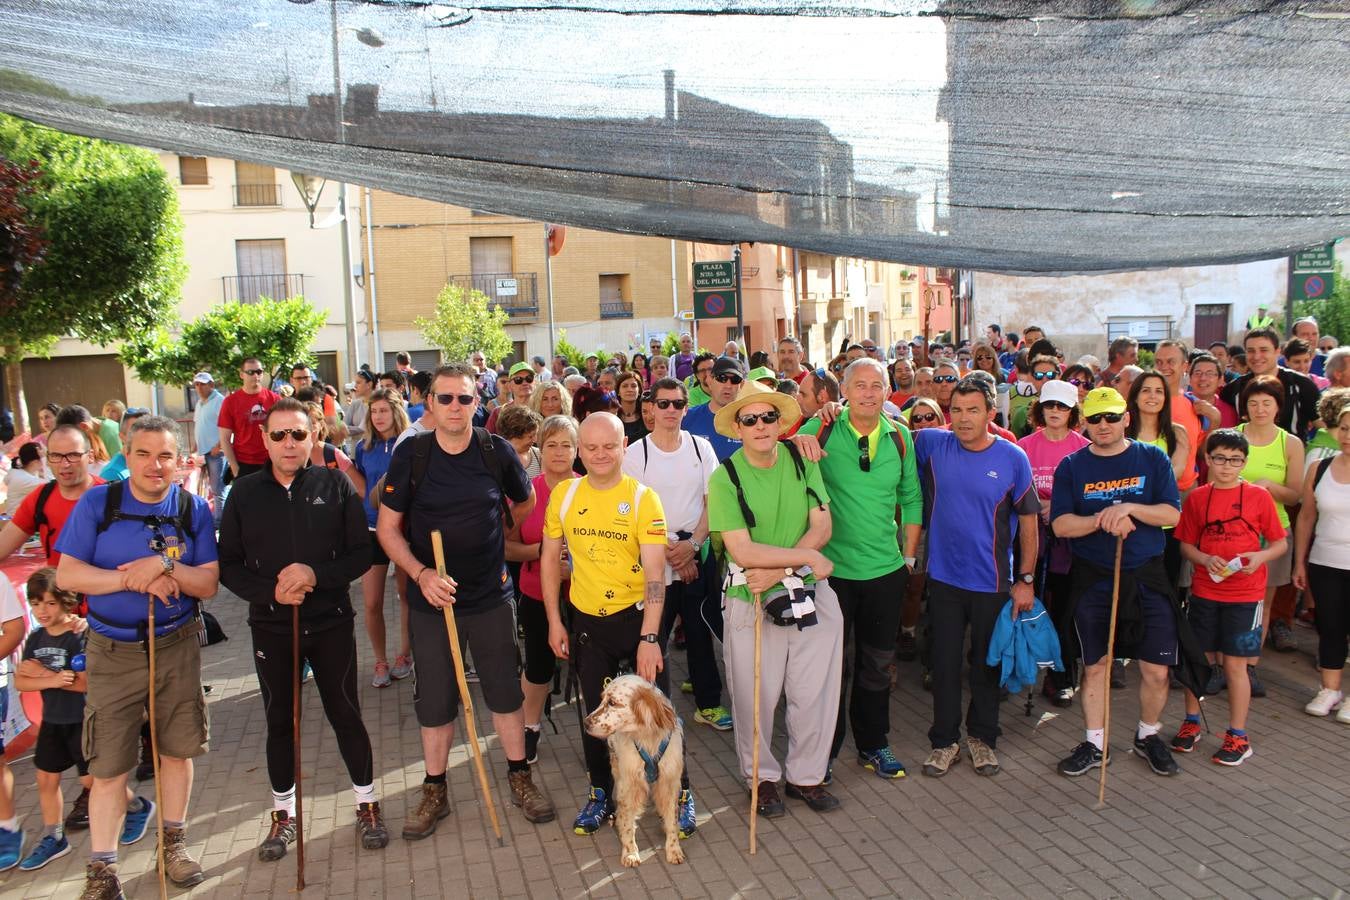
[(179, 865), (100, 882), (78, 820), (370, 826), (279, 836), (532, 802), (434, 806)]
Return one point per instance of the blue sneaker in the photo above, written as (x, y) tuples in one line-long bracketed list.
[(134, 828), (688, 818), (598, 808), (883, 762), (48, 849), (11, 848)]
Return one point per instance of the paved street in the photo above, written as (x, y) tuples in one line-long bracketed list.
[(1277, 826)]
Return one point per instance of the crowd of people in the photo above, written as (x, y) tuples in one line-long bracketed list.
[(891, 504)]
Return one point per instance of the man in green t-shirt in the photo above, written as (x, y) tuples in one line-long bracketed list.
[(769, 506), (869, 471)]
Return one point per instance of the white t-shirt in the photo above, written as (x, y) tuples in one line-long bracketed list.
[(11, 607), (1331, 547), (680, 479), (412, 430), (19, 483)]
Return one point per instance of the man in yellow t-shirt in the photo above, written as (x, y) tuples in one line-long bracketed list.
[(615, 531)]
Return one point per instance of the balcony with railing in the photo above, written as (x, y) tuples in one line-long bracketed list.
[(257, 195), (515, 292), (616, 309), (252, 288)]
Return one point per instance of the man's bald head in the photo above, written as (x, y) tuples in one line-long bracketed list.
[(597, 424), (601, 441)]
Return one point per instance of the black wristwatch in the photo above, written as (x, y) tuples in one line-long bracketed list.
[(1027, 578), (648, 638)]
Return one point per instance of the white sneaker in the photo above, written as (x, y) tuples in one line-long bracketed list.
[(1344, 715), (1326, 702)]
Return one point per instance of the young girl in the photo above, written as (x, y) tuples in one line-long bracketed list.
[(53, 663)]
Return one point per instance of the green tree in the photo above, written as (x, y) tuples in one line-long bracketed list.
[(464, 321), (281, 333), (1333, 313), (113, 266)]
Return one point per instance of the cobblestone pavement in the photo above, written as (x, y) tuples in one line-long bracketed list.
[(1277, 826)]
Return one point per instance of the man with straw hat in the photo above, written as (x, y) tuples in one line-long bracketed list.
[(769, 507)]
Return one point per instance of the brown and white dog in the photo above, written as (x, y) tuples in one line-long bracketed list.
[(646, 753)]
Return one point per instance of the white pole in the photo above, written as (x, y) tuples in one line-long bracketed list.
[(548, 285), (376, 353)]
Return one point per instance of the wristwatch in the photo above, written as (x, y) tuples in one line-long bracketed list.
[(1027, 578), (648, 638), (166, 563)]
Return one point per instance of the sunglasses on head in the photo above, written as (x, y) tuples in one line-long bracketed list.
[(1113, 418), (925, 417), (729, 378), (750, 419), (451, 399), (667, 404), (523, 379), (1042, 376), (945, 379), (253, 371), (297, 434)]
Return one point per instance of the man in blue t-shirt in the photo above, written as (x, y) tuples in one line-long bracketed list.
[(1119, 493), (144, 550), (980, 496), (727, 375)]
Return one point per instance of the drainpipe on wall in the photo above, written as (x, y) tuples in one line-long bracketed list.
[(376, 354)]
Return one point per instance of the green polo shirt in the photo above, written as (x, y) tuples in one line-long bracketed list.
[(697, 396), (863, 538)]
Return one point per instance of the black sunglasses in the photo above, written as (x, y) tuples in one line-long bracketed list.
[(449, 399), (729, 378), (1054, 404), (768, 418), (523, 379), (297, 434), (253, 371), (667, 404), (864, 458), (927, 417), (1113, 418)]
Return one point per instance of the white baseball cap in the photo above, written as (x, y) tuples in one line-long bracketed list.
[(203, 378), (1061, 392)]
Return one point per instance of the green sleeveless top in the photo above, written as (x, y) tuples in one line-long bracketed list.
[(1269, 462), (1161, 443)]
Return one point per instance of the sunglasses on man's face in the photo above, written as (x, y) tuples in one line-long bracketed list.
[(729, 378), (945, 379), (253, 371), (452, 399), (297, 434), (768, 418), (1097, 419), (523, 379), (667, 404)]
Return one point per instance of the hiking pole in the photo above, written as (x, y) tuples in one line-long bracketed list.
[(754, 753), (295, 737), (1110, 661), (154, 752), (469, 724)]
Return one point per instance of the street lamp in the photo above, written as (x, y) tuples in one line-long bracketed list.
[(310, 187)]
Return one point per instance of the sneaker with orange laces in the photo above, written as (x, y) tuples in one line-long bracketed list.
[(381, 678), (1187, 737), (1235, 749)]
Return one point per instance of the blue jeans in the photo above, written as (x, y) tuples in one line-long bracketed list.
[(215, 471)]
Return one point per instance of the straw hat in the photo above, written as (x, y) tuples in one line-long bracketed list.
[(753, 392)]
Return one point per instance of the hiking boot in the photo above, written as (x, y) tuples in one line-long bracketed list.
[(532, 736), (1258, 689), (100, 882), (1325, 703), (1282, 637), (179, 865), (1234, 750), (1063, 698), (526, 794), (78, 820), (137, 822), (402, 668), (49, 848), (1186, 737), (718, 717), (883, 762), (688, 815), (11, 848), (370, 826), (982, 756), (906, 648), (598, 808), (1156, 754), (382, 678), (1218, 681), (434, 806), (769, 804), (814, 795), (145, 770), (941, 759), (1084, 758), (279, 835)]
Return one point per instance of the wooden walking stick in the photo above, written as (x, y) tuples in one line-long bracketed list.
[(1106, 684), (295, 738), (154, 752), (469, 724), (754, 753)]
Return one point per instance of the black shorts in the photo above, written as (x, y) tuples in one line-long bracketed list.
[(377, 555), (1233, 629), (532, 633), (59, 747), (490, 636), (1092, 619)]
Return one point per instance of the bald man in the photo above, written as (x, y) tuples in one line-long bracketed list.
[(615, 529)]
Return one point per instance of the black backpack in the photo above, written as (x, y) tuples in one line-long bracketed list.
[(483, 438), (112, 512), (40, 515)]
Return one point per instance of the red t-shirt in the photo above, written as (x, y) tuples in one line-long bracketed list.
[(243, 413), (1229, 522), (57, 509)]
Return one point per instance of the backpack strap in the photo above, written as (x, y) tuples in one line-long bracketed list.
[(646, 453), (823, 434), (800, 465), (488, 448), (329, 456), (421, 459), (1322, 466), (746, 514), (40, 514), (112, 510), (567, 500), (113, 507)]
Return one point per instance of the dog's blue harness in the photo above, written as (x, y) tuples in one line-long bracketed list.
[(652, 762)]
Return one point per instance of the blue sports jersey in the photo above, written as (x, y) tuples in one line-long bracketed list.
[(699, 420), (117, 615), (1086, 484), (973, 501)]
